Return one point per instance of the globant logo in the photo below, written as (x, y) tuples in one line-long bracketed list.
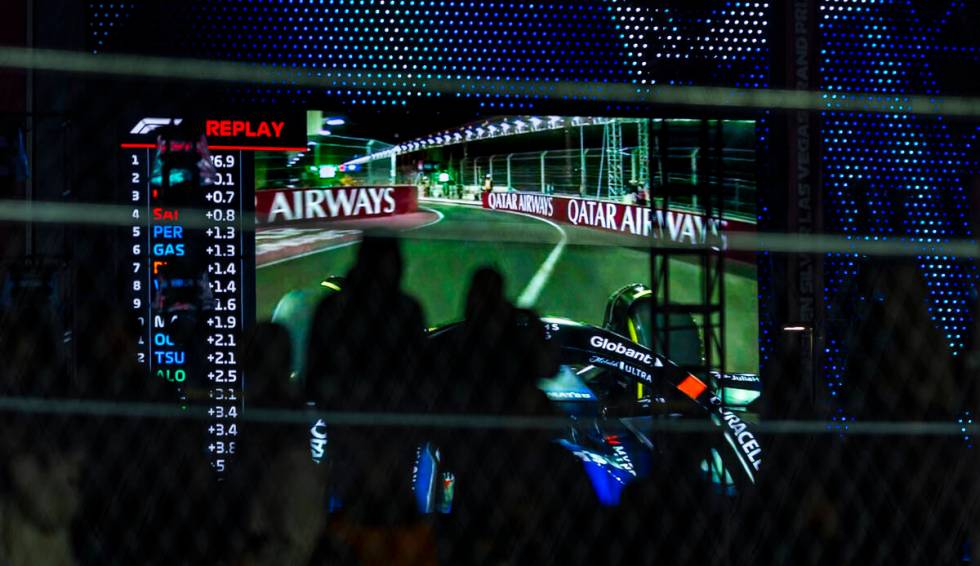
[(621, 349)]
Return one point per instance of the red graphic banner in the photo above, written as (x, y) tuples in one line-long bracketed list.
[(283, 206)]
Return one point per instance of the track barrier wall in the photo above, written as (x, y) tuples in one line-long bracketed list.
[(674, 226), (283, 206)]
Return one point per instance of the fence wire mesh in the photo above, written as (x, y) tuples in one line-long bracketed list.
[(113, 470), (407, 412)]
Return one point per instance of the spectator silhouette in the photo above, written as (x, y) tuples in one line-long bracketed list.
[(900, 369), (869, 498), (32, 353), (500, 352), (266, 357), (283, 508), (367, 340), (275, 498), (366, 343), (674, 515), (40, 494), (41, 457), (106, 362), (146, 485), (518, 493), (150, 495), (91, 482)]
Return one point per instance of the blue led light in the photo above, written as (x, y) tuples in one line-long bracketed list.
[(592, 42), (912, 169)]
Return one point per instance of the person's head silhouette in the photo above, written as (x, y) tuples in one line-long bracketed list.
[(379, 264), (486, 294)]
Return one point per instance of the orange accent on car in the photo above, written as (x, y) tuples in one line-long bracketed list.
[(692, 386)]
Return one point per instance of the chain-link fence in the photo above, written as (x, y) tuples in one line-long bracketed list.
[(397, 445), (586, 172), (190, 376)]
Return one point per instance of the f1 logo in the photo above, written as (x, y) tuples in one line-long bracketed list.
[(147, 125)]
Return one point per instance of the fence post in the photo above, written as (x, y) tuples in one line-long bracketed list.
[(694, 166), (694, 175), (634, 164), (509, 184), (370, 163), (543, 154), (582, 153)]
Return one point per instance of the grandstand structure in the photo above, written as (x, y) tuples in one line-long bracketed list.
[(585, 170), (594, 157)]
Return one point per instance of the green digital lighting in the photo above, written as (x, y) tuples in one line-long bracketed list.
[(739, 397), (716, 469), (443, 177)]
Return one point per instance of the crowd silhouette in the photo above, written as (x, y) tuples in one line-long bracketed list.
[(125, 488)]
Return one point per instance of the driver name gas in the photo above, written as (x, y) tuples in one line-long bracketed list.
[(621, 349), (168, 249)]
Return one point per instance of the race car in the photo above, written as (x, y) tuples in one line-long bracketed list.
[(628, 312), (622, 398), (629, 401)]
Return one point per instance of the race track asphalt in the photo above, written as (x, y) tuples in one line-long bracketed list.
[(573, 281)]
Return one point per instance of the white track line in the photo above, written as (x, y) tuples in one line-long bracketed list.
[(529, 296), (457, 202), (439, 218), (306, 254)]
